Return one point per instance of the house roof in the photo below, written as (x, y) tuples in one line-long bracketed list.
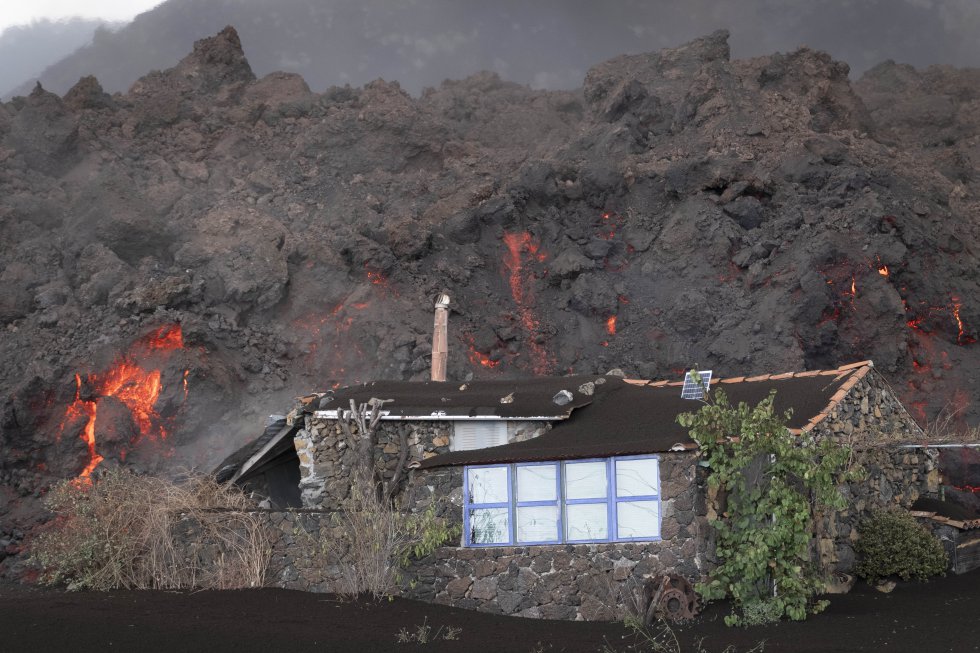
[(498, 399), (637, 417), (605, 415)]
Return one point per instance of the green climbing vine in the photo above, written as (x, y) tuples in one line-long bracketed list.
[(773, 481)]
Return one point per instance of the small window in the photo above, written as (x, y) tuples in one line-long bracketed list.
[(477, 435), (488, 485), (538, 512), (487, 500), (489, 526), (637, 498), (636, 477), (587, 521), (587, 501)]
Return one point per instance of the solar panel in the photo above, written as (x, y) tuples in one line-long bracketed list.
[(696, 384)]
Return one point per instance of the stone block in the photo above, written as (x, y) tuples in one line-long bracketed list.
[(456, 589), (510, 602), (484, 568), (484, 589)]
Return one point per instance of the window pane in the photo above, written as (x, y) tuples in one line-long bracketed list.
[(489, 526), (636, 478), (537, 524), (585, 480), (537, 483), (587, 521), (638, 519), (487, 484)]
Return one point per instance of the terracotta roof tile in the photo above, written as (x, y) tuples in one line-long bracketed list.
[(851, 366)]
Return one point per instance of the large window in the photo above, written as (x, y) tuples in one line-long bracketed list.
[(602, 500)]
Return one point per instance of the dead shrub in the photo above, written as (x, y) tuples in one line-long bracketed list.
[(374, 541), (145, 532), (949, 426)]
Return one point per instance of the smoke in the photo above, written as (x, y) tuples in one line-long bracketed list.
[(546, 44)]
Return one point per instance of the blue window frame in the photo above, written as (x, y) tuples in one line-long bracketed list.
[(576, 501)]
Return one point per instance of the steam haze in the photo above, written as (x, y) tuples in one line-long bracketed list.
[(547, 44)]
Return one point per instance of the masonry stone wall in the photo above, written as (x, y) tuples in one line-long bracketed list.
[(327, 460), (581, 581), (893, 477), (869, 415)]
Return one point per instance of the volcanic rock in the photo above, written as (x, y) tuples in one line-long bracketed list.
[(750, 216)]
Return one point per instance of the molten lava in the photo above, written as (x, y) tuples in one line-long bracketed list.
[(166, 338), (131, 384), (87, 409), (611, 325), (477, 357), (962, 338), (518, 277)]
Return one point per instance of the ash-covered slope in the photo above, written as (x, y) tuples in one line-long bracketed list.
[(180, 260)]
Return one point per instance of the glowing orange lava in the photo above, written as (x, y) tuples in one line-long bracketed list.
[(962, 338), (477, 357), (87, 409), (517, 276), (128, 382), (166, 338), (611, 325), (921, 319)]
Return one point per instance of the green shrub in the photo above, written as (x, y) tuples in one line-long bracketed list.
[(774, 480), (761, 612), (895, 544)]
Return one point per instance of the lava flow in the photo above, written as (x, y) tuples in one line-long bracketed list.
[(611, 325), (520, 289), (477, 357), (131, 384)]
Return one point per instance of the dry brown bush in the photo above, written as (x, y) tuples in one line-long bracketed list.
[(374, 540), (145, 532), (948, 426)]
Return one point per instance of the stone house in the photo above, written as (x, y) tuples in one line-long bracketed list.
[(569, 490)]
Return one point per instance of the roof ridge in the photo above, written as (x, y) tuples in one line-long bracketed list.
[(837, 371)]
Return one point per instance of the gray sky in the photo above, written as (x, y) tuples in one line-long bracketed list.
[(21, 12)]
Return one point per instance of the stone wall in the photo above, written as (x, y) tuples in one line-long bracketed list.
[(326, 459), (581, 581), (574, 581), (893, 477), (870, 415), (871, 420)]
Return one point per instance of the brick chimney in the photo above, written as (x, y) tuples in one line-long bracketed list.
[(440, 338)]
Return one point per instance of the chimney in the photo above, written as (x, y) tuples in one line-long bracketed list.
[(440, 338)]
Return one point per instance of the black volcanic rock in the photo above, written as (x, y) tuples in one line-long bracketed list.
[(747, 216)]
